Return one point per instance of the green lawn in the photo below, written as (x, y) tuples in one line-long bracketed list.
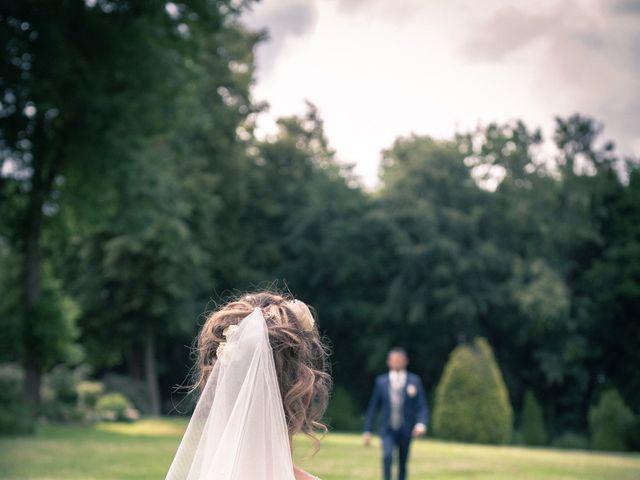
[(144, 451)]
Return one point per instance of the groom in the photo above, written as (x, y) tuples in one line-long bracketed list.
[(400, 397)]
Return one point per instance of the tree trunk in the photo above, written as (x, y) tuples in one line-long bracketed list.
[(136, 361), (151, 372), (32, 273), (45, 164)]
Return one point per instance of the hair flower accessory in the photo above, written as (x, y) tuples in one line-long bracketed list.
[(227, 333), (302, 313)]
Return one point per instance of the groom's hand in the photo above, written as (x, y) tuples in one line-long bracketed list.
[(419, 430), (366, 438)]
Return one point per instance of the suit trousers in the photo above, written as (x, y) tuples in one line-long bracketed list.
[(390, 440)]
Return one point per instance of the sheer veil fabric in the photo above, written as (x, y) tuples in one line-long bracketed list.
[(238, 429)]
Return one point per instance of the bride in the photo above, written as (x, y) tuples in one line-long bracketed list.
[(262, 377)]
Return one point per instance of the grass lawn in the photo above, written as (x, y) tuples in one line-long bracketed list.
[(145, 449)]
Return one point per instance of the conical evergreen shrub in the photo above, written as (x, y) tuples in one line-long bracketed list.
[(533, 431), (611, 422), (472, 401)]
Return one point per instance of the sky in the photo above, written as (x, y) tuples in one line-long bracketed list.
[(380, 69)]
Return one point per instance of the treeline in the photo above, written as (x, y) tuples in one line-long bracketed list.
[(134, 195)]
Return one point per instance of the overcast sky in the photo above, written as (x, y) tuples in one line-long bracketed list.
[(378, 69)]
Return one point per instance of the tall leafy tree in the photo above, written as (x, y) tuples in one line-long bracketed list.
[(443, 284), (82, 84), (147, 268)]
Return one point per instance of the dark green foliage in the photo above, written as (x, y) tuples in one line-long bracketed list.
[(11, 308), (53, 337), (134, 390), (634, 437), (611, 422), (343, 413), (60, 397), (88, 394), (571, 441), (533, 430), (15, 417), (117, 122), (612, 291), (472, 401), (134, 193)]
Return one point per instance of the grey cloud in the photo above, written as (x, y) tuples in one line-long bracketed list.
[(396, 10), (352, 5), (283, 21), (590, 39), (590, 59), (507, 31), (627, 6)]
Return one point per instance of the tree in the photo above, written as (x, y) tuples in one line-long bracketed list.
[(472, 401), (84, 84), (60, 65), (309, 224), (611, 421), (443, 282), (533, 431), (611, 289), (146, 268), (550, 220)]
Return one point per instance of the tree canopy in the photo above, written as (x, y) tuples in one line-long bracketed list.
[(135, 194)]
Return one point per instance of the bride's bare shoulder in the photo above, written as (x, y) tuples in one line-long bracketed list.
[(302, 475), (306, 476)]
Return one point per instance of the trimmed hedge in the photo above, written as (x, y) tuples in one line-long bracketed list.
[(611, 422), (533, 432), (472, 401)]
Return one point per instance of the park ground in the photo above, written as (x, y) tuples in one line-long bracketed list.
[(144, 450)]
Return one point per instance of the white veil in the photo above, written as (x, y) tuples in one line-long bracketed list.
[(238, 429)]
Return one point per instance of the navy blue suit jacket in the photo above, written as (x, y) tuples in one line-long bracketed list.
[(415, 406)]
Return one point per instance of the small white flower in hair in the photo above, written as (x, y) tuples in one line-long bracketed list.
[(224, 352), (228, 331), (302, 313), (223, 346)]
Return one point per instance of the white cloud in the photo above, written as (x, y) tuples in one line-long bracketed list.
[(380, 69)]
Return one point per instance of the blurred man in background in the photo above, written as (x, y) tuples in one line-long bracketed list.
[(399, 396)]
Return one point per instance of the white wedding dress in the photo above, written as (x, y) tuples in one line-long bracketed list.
[(238, 429)]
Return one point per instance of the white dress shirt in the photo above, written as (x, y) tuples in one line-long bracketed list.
[(397, 382), (397, 379)]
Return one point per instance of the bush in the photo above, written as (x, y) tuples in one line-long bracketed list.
[(533, 432), (88, 395), (15, 416), (571, 441), (472, 401), (611, 423), (135, 390), (634, 439), (343, 414), (115, 407), (89, 392), (60, 394), (516, 437)]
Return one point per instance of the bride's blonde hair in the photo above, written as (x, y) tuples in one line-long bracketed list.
[(300, 355)]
